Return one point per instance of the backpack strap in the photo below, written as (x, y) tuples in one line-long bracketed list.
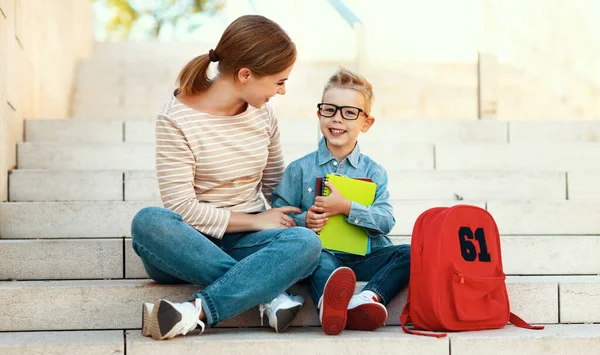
[(517, 321), (404, 321)]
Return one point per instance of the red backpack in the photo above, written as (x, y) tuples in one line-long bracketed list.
[(456, 278)]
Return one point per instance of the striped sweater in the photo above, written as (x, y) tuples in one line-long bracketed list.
[(208, 166)]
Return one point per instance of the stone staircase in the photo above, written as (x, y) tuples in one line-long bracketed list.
[(71, 283), (67, 261)]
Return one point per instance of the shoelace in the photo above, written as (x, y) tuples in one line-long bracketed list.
[(192, 320), (262, 308)]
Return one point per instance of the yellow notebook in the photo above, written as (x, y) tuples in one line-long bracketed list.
[(338, 234)]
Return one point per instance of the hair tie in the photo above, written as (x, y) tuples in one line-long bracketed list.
[(212, 55)]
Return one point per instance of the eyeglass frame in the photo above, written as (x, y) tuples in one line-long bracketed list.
[(339, 108)]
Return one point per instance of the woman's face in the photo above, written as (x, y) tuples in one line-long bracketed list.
[(257, 91)]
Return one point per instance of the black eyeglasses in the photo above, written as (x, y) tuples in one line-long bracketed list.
[(348, 112)]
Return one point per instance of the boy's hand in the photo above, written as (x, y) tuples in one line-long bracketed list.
[(315, 220), (276, 218), (335, 203)]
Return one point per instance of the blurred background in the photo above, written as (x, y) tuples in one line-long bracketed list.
[(462, 60), (466, 59)]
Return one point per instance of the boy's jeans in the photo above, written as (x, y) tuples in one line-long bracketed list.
[(387, 271), (240, 271)]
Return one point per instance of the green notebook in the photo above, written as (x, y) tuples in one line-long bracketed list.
[(338, 234)]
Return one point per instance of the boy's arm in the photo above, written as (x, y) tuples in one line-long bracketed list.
[(378, 219), (289, 192)]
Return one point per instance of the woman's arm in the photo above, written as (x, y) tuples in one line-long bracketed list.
[(275, 164), (176, 168)]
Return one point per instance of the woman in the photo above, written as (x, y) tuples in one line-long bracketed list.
[(217, 155)]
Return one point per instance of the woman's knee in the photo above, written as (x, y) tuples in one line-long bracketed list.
[(313, 243), (309, 242), (148, 221)]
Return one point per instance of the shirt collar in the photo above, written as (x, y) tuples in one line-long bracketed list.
[(324, 155)]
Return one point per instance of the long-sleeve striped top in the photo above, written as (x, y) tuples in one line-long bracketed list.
[(208, 166)]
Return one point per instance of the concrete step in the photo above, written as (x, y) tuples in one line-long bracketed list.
[(533, 255), (66, 185), (518, 156), (60, 343), (62, 259), (24, 220), (84, 156), (485, 185), (141, 156), (114, 258), (521, 255), (392, 155), (139, 130), (554, 131), (553, 340), (515, 217), (305, 129), (116, 304), (71, 130), (38, 185), (114, 185), (112, 219)]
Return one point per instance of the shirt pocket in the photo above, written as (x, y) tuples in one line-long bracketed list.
[(308, 196)]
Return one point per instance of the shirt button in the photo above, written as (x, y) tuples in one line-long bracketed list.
[(335, 163), (356, 220), (309, 189)]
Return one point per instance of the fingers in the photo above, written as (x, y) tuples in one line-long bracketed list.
[(316, 209), (288, 221), (288, 209), (315, 221), (331, 186)]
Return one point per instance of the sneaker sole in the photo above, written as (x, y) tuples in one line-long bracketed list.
[(368, 316), (160, 322), (285, 318), (338, 291)]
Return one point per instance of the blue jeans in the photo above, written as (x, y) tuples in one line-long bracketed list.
[(239, 271), (387, 271)]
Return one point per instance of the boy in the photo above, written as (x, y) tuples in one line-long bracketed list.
[(343, 114)]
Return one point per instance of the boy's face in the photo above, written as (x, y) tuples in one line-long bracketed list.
[(341, 133)]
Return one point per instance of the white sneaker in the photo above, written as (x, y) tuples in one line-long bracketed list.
[(165, 320), (281, 311)]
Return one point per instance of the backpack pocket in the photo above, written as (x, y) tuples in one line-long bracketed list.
[(479, 298)]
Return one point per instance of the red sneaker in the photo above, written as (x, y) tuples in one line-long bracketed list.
[(365, 313), (334, 303)]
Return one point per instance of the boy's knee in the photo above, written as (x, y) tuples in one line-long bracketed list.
[(402, 251)]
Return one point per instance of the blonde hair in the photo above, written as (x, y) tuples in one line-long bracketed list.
[(252, 42), (346, 79)]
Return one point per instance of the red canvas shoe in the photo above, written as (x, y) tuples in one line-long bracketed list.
[(333, 307), (365, 313)]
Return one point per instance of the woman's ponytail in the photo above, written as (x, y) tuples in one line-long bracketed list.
[(193, 78)]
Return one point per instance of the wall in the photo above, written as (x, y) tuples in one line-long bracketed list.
[(40, 44)]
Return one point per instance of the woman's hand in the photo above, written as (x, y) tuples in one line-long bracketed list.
[(276, 218), (315, 219)]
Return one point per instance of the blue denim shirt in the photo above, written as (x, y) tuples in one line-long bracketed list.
[(298, 186)]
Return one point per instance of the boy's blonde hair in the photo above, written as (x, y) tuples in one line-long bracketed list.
[(347, 79)]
